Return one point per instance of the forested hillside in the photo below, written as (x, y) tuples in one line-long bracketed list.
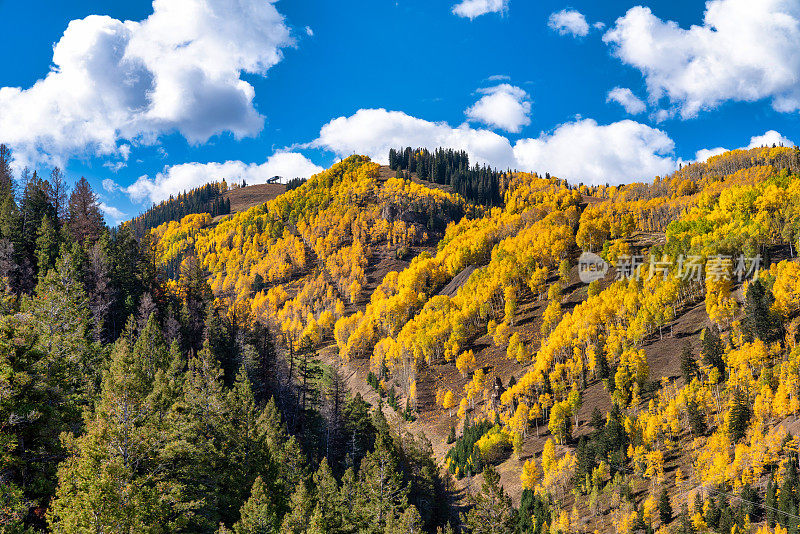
[(206, 199), (409, 348)]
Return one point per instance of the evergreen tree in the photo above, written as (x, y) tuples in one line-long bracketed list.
[(491, 510), (329, 502), (301, 508), (758, 322), (685, 522), (151, 349), (712, 349), (58, 195), (382, 493), (664, 507), (689, 368), (739, 416), (84, 218), (697, 419), (46, 246), (6, 175), (259, 515), (108, 484), (126, 282)]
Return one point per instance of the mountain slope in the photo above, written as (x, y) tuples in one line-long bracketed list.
[(465, 314)]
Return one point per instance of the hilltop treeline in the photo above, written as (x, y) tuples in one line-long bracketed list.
[(205, 199), (480, 184)]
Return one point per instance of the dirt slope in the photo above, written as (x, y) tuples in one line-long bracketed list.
[(243, 198)]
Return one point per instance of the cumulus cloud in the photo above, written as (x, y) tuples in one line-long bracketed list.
[(373, 132), (178, 178), (112, 213), (744, 51), (505, 106), (704, 153), (475, 8), (179, 70), (569, 22), (769, 138), (580, 151), (625, 98), (584, 151)]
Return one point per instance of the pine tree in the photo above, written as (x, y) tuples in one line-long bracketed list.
[(301, 508), (771, 502), (107, 485), (97, 282), (664, 507), (197, 449), (739, 416), (492, 511), (712, 349), (408, 522), (382, 494), (329, 502), (259, 515), (60, 317), (689, 368), (84, 218), (758, 323), (6, 175), (151, 348), (697, 419), (685, 525), (46, 246), (58, 195)]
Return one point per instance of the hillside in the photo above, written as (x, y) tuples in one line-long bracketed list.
[(243, 198), (384, 279)]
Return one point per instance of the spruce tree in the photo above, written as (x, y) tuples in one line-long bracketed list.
[(491, 511), (689, 368), (108, 483), (712, 349), (739, 416), (301, 508), (758, 323), (382, 493), (329, 502), (259, 515), (664, 507), (46, 246)]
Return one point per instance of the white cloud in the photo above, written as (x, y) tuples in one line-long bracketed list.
[(476, 8), (499, 78), (580, 151), (373, 132), (505, 106), (704, 153), (309, 31), (179, 178), (769, 138), (114, 214), (625, 98), (744, 51), (584, 151), (179, 70), (569, 22), (110, 186)]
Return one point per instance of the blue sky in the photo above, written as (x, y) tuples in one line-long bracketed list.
[(156, 97)]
